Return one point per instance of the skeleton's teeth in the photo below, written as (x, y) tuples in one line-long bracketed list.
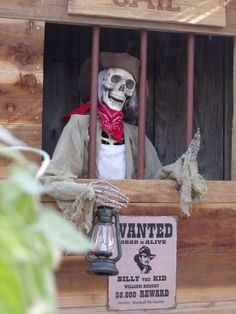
[(116, 99)]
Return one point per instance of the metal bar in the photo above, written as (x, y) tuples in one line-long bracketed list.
[(190, 88), (94, 98), (142, 103)]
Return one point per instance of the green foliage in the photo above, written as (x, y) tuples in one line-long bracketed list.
[(32, 239)]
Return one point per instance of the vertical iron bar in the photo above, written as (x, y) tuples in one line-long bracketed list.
[(190, 88), (94, 97), (142, 103)]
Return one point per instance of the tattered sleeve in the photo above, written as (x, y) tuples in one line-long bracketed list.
[(60, 180)]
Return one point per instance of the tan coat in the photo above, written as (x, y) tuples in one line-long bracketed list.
[(70, 163)]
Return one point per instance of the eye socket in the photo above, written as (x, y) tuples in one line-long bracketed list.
[(129, 84), (115, 78)]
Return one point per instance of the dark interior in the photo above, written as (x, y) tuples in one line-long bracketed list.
[(67, 47)]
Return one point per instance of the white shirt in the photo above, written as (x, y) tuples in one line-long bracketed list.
[(111, 162)]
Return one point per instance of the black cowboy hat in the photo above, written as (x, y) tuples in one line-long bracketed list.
[(144, 251)]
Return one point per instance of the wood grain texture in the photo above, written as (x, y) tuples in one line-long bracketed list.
[(21, 105), (56, 11), (188, 308), (21, 81), (211, 13), (165, 191), (209, 229), (200, 278), (30, 135), (21, 71), (233, 152)]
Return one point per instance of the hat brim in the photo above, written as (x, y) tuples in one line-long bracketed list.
[(137, 256)]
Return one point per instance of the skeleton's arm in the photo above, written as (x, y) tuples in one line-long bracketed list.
[(193, 187)]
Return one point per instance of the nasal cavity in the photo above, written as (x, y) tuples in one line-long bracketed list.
[(122, 87)]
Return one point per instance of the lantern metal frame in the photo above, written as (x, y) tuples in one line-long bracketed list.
[(101, 262)]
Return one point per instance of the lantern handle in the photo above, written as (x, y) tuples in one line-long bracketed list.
[(118, 237)]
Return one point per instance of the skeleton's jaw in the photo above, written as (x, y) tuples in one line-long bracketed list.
[(114, 99)]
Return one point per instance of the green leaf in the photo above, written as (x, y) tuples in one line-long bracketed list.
[(11, 289), (62, 233), (25, 180), (32, 241)]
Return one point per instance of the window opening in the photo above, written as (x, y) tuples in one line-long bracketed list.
[(67, 47)]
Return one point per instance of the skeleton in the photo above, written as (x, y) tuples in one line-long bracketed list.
[(116, 86), (117, 91)]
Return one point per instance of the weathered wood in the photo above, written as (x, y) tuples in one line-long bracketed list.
[(30, 135), (63, 59), (56, 11), (189, 308), (209, 229), (233, 153), (21, 105), (207, 277), (209, 106), (181, 11), (228, 105), (21, 81), (165, 191), (168, 59)]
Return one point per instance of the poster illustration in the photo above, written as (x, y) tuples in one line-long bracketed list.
[(147, 268)]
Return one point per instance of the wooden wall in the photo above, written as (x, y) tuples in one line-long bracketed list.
[(56, 11), (206, 276), (206, 259), (66, 48), (21, 80)]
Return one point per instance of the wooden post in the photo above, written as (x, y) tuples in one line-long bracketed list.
[(94, 97), (142, 103)]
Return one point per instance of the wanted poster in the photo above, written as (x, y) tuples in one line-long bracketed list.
[(147, 268)]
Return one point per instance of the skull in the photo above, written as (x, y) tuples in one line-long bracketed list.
[(118, 84)]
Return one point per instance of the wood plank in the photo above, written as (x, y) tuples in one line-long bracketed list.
[(56, 11), (30, 135), (21, 70), (209, 106), (228, 105), (200, 278), (21, 104), (21, 81), (233, 152), (189, 308), (22, 45), (166, 191), (63, 59), (181, 11), (209, 229)]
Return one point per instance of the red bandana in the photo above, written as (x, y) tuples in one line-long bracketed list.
[(111, 120)]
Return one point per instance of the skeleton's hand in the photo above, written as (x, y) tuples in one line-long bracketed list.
[(108, 195)]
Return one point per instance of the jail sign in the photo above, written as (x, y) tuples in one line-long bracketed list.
[(147, 268), (208, 12)]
